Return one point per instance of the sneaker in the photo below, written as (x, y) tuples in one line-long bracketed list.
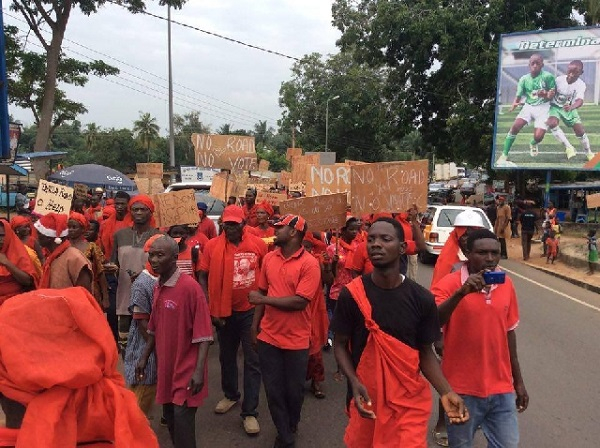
[(224, 406), (534, 150), (251, 425), (589, 155), (570, 152)]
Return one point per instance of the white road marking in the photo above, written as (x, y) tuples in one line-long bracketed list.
[(573, 299)]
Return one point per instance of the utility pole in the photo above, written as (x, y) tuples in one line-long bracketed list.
[(293, 136), (327, 121), (171, 131)]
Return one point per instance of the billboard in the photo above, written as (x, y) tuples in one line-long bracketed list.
[(547, 111)]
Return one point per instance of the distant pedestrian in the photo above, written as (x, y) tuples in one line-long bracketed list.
[(551, 247), (502, 225), (592, 251), (546, 229), (529, 225), (514, 220)]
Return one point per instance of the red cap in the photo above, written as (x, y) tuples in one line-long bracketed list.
[(233, 213), (295, 221)]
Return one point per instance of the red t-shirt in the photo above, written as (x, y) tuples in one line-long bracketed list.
[(247, 260), (343, 275), (207, 227), (476, 357), (185, 262), (250, 214), (199, 239), (180, 320), (298, 275)]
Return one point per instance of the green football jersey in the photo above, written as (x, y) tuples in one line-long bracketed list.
[(528, 87)]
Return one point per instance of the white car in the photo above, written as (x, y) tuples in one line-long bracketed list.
[(437, 222), (202, 194)]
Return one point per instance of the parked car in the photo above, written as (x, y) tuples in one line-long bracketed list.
[(437, 222), (202, 194), (467, 188), (435, 186), (441, 196)]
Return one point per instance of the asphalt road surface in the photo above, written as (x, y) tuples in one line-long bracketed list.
[(558, 352)]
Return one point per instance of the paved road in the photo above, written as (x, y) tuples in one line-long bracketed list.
[(559, 358)]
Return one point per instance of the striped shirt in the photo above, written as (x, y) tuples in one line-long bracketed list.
[(142, 291)]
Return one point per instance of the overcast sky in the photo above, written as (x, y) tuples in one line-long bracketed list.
[(209, 72)]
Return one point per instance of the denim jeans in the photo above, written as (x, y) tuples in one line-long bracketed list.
[(497, 416), (236, 330), (283, 374)]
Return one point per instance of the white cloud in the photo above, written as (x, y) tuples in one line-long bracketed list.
[(205, 65)]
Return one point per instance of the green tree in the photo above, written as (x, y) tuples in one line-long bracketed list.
[(146, 131), (441, 60), (53, 16), (185, 126), (91, 136)]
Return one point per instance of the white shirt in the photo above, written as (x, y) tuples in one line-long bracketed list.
[(567, 93)]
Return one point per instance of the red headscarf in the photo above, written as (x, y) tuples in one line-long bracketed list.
[(82, 220), (77, 394), (20, 221), (266, 207), (15, 251), (143, 199), (147, 246)]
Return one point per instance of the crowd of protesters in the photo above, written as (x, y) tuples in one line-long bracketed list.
[(282, 292)]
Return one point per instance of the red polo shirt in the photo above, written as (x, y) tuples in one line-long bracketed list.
[(298, 275)]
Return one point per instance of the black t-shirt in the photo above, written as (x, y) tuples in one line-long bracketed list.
[(528, 219)]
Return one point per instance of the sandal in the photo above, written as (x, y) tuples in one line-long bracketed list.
[(316, 390), (440, 437)]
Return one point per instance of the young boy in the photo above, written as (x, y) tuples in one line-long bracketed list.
[(570, 91), (538, 88), (592, 251), (551, 247)]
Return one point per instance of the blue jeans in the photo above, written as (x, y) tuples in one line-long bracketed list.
[(497, 416), (235, 331)]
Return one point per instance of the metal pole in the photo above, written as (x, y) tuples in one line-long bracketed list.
[(171, 132), (326, 125), (4, 138)]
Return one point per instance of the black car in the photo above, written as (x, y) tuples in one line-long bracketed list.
[(441, 196)]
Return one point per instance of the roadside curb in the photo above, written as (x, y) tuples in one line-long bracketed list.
[(574, 281)]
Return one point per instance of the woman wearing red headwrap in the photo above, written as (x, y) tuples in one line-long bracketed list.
[(23, 228), (17, 273), (77, 225), (264, 211), (76, 395)]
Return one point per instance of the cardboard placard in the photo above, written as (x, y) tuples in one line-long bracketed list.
[(284, 178), (327, 179), (593, 200), (149, 170), (270, 197), (299, 167), (292, 152), (175, 207), (147, 185), (325, 158), (298, 186), (389, 187), (52, 197), (354, 162), (240, 184), (320, 212), (231, 152), (263, 165), (80, 191), (222, 186)]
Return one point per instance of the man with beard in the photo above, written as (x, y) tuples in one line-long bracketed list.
[(384, 327), (289, 285)]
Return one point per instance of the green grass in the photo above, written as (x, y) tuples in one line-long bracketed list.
[(552, 152)]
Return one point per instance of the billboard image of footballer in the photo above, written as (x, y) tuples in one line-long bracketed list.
[(547, 102)]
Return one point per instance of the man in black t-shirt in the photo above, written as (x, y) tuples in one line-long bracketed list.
[(384, 327), (529, 224)]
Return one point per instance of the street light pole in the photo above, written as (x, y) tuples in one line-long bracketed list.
[(171, 131), (327, 121)]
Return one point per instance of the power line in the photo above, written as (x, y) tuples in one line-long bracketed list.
[(211, 33)]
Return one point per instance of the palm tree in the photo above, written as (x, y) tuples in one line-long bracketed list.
[(146, 130), (225, 129), (91, 135)]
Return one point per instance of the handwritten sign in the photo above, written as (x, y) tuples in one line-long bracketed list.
[(292, 152), (80, 191), (284, 178), (389, 187), (327, 179), (263, 165), (231, 152), (299, 166), (52, 197), (297, 186), (593, 200), (320, 212), (270, 198), (175, 207), (149, 170), (147, 185)]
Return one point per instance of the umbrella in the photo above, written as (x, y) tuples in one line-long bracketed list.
[(94, 176)]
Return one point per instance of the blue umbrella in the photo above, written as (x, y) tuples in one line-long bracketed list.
[(94, 176)]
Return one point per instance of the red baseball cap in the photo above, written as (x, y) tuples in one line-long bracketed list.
[(233, 213), (295, 221)]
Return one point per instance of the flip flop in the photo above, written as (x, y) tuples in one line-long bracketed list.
[(318, 393), (440, 437)]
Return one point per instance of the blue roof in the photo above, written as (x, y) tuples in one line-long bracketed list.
[(41, 155)]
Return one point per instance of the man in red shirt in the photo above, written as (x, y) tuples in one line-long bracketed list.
[(289, 283), (250, 207), (480, 345), (205, 225), (229, 270), (179, 328)]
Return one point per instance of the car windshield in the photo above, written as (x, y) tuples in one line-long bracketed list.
[(215, 206), (447, 217)]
